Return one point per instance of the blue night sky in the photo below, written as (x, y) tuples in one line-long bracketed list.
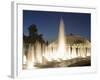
[(48, 23)]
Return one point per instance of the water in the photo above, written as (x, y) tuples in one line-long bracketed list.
[(41, 53)]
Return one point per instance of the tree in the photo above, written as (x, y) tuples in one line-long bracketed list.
[(32, 30), (33, 33)]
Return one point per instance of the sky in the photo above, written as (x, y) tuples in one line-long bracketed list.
[(48, 23)]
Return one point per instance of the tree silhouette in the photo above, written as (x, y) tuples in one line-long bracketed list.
[(34, 36), (32, 30)]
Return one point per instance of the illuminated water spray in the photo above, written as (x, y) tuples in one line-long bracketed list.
[(61, 41), (41, 53), (30, 59)]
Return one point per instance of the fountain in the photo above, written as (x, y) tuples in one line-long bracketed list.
[(42, 54), (30, 60), (61, 41)]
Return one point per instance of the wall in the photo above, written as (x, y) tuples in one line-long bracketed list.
[(5, 38)]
